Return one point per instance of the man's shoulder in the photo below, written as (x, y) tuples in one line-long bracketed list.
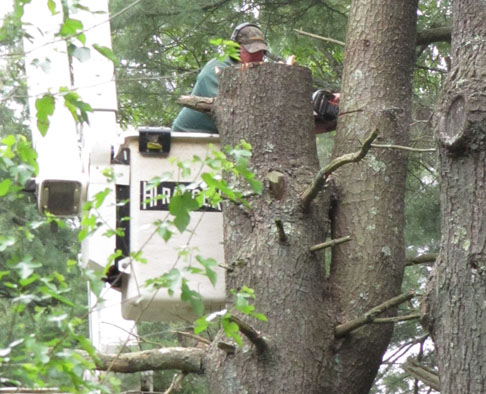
[(215, 62)]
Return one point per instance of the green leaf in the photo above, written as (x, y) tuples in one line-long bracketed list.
[(259, 316), (232, 330), (100, 197), (207, 264), (28, 281), (106, 52), (54, 294), (180, 205), (255, 185), (164, 231), (4, 187), (52, 6), (78, 108), (9, 140), (169, 280), (200, 325), (45, 108), (193, 298), (4, 273), (70, 27)]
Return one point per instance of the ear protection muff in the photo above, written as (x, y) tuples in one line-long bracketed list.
[(240, 27)]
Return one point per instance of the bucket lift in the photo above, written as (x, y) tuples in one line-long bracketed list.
[(151, 204), (73, 159)]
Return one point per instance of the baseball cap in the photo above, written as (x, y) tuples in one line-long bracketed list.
[(251, 38)]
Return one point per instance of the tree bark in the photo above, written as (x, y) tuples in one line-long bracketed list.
[(376, 95), (268, 105), (454, 307), (183, 359)]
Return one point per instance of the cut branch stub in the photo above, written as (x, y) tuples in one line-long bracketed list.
[(253, 335), (452, 127), (461, 126), (276, 183)]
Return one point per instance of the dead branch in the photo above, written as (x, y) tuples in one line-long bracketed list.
[(330, 243), (346, 328), (193, 336), (430, 36), (197, 103), (183, 359), (319, 37), (407, 148), (253, 335), (425, 37), (396, 319), (311, 192), (175, 384), (424, 374), (426, 258)]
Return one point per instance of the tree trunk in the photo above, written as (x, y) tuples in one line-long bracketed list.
[(268, 105), (456, 298), (376, 95)]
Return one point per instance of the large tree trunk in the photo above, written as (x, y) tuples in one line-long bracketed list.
[(376, 92), (455, 304), (268, 105)]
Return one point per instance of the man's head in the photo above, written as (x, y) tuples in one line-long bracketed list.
[(251, 40)]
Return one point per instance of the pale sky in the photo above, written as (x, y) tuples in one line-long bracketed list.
[(5, 6)]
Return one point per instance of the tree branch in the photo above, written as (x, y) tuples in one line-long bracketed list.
[(183, 359), (426, 258), (439, 34), (175, 384), (396, 319), (319, 37), (425, 37), (407, 148), (203, 8), (197, 103), (311, 192), (345, 328), (253, 335), (330, 243), (425, 375)]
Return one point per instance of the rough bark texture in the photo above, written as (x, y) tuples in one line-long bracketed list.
[(455, 304), (183, 359), (369, 205), (269, 106)]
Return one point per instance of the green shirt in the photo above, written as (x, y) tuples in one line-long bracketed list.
[(206, 86)]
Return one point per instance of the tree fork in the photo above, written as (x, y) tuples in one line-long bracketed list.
[(338, 162)]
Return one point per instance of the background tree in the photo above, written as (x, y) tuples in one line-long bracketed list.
[(456, 297)]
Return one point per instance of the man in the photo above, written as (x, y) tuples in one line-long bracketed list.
[(252, 49)]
